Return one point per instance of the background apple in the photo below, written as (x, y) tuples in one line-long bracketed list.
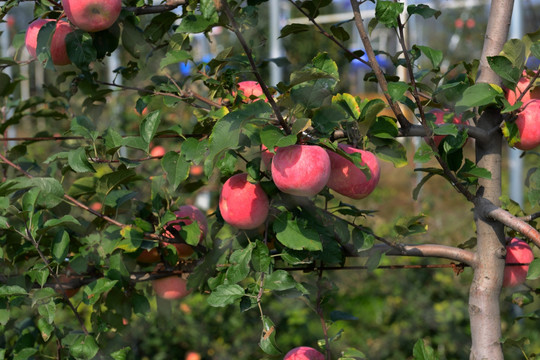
[(158, 151), (185, 215), (512, 95), (171, 287), (301, 169), (303, 353), (149, 256), (192, 355), (517, 252), (242, 204), (92, 15), (65, 279), (59, 54), (528, 124), (250, 88), (439, 120), (349, 180)]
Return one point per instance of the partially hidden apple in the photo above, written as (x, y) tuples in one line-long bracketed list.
[(303, 353), (158, 151), (59, 54), (171, 287), (193, 355), (533, 93), (92, 15), (149, 256), (66, 279), (301, 170), (528, 124), (251, 88), (185, 215), (347, 179), (517, 252), (439, 120), (242, 204)]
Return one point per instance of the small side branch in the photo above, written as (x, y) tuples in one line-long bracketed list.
[(258, 76)]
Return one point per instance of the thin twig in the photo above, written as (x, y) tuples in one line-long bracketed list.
[(320, 313), (258, 76)]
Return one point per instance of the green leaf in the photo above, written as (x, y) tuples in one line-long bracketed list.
[(260, 258), (80, 48), (176, 167), (435, 56), (515, 51), (295, 234), (293, 29), (208, 9), (159, 26), (337, 315), (78, 161), (391, 150), (505, 69), (479, 95), (384, 127), (352, 354), (60, 246), (83, 126), (140, 303), (24, 354), (193, 23), (362, 240), (85, 348), (239, 261), (225, 295), (12, 290), (279, 280), (387, 12), (93, 291), (397, 90), (339, 32), (534, 270), (469, 169), (175, 57), (423, 10), (149, 126), (268, 337), (45, 329), (421, 351), (132, 239)]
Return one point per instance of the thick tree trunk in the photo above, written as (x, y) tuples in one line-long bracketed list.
[(484, 309)]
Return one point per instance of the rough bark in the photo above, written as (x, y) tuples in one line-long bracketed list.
[(484, 307)]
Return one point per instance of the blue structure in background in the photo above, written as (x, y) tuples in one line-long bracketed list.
[(185, 68), (383, 62)]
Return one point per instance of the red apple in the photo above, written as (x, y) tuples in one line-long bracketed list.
[(301, 170), (149, 256), (439, 120), (303, 353), (158, 151), (242, 204), (59, 54), (192, 355), (528, 124), (517, 252), (349, 180), (266, 157), (196, 170), (186, 214), (92, 15), (251, 88), (96, 206), (512, 95), (171, 287)]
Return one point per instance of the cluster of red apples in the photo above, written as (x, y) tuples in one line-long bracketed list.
[(528, 118), (87, 15), (301, 170)]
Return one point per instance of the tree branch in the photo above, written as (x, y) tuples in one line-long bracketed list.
[(405, 124), (247, 50)]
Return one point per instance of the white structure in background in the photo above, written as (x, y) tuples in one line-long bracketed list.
[(515, 161), (6, 51)]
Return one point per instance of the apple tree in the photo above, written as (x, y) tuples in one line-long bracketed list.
[(95, 222)]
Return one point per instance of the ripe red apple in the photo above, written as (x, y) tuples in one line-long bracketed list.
[(349, 180), (301, 169), (59, 54), (92, 15), (528, 124), (171, 287), (439, 120), (186, 214), (512, 95), (266, 157), (303, 353), (96, 206), (242, 204), (517, 252), (251, 88), (158, 151)]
